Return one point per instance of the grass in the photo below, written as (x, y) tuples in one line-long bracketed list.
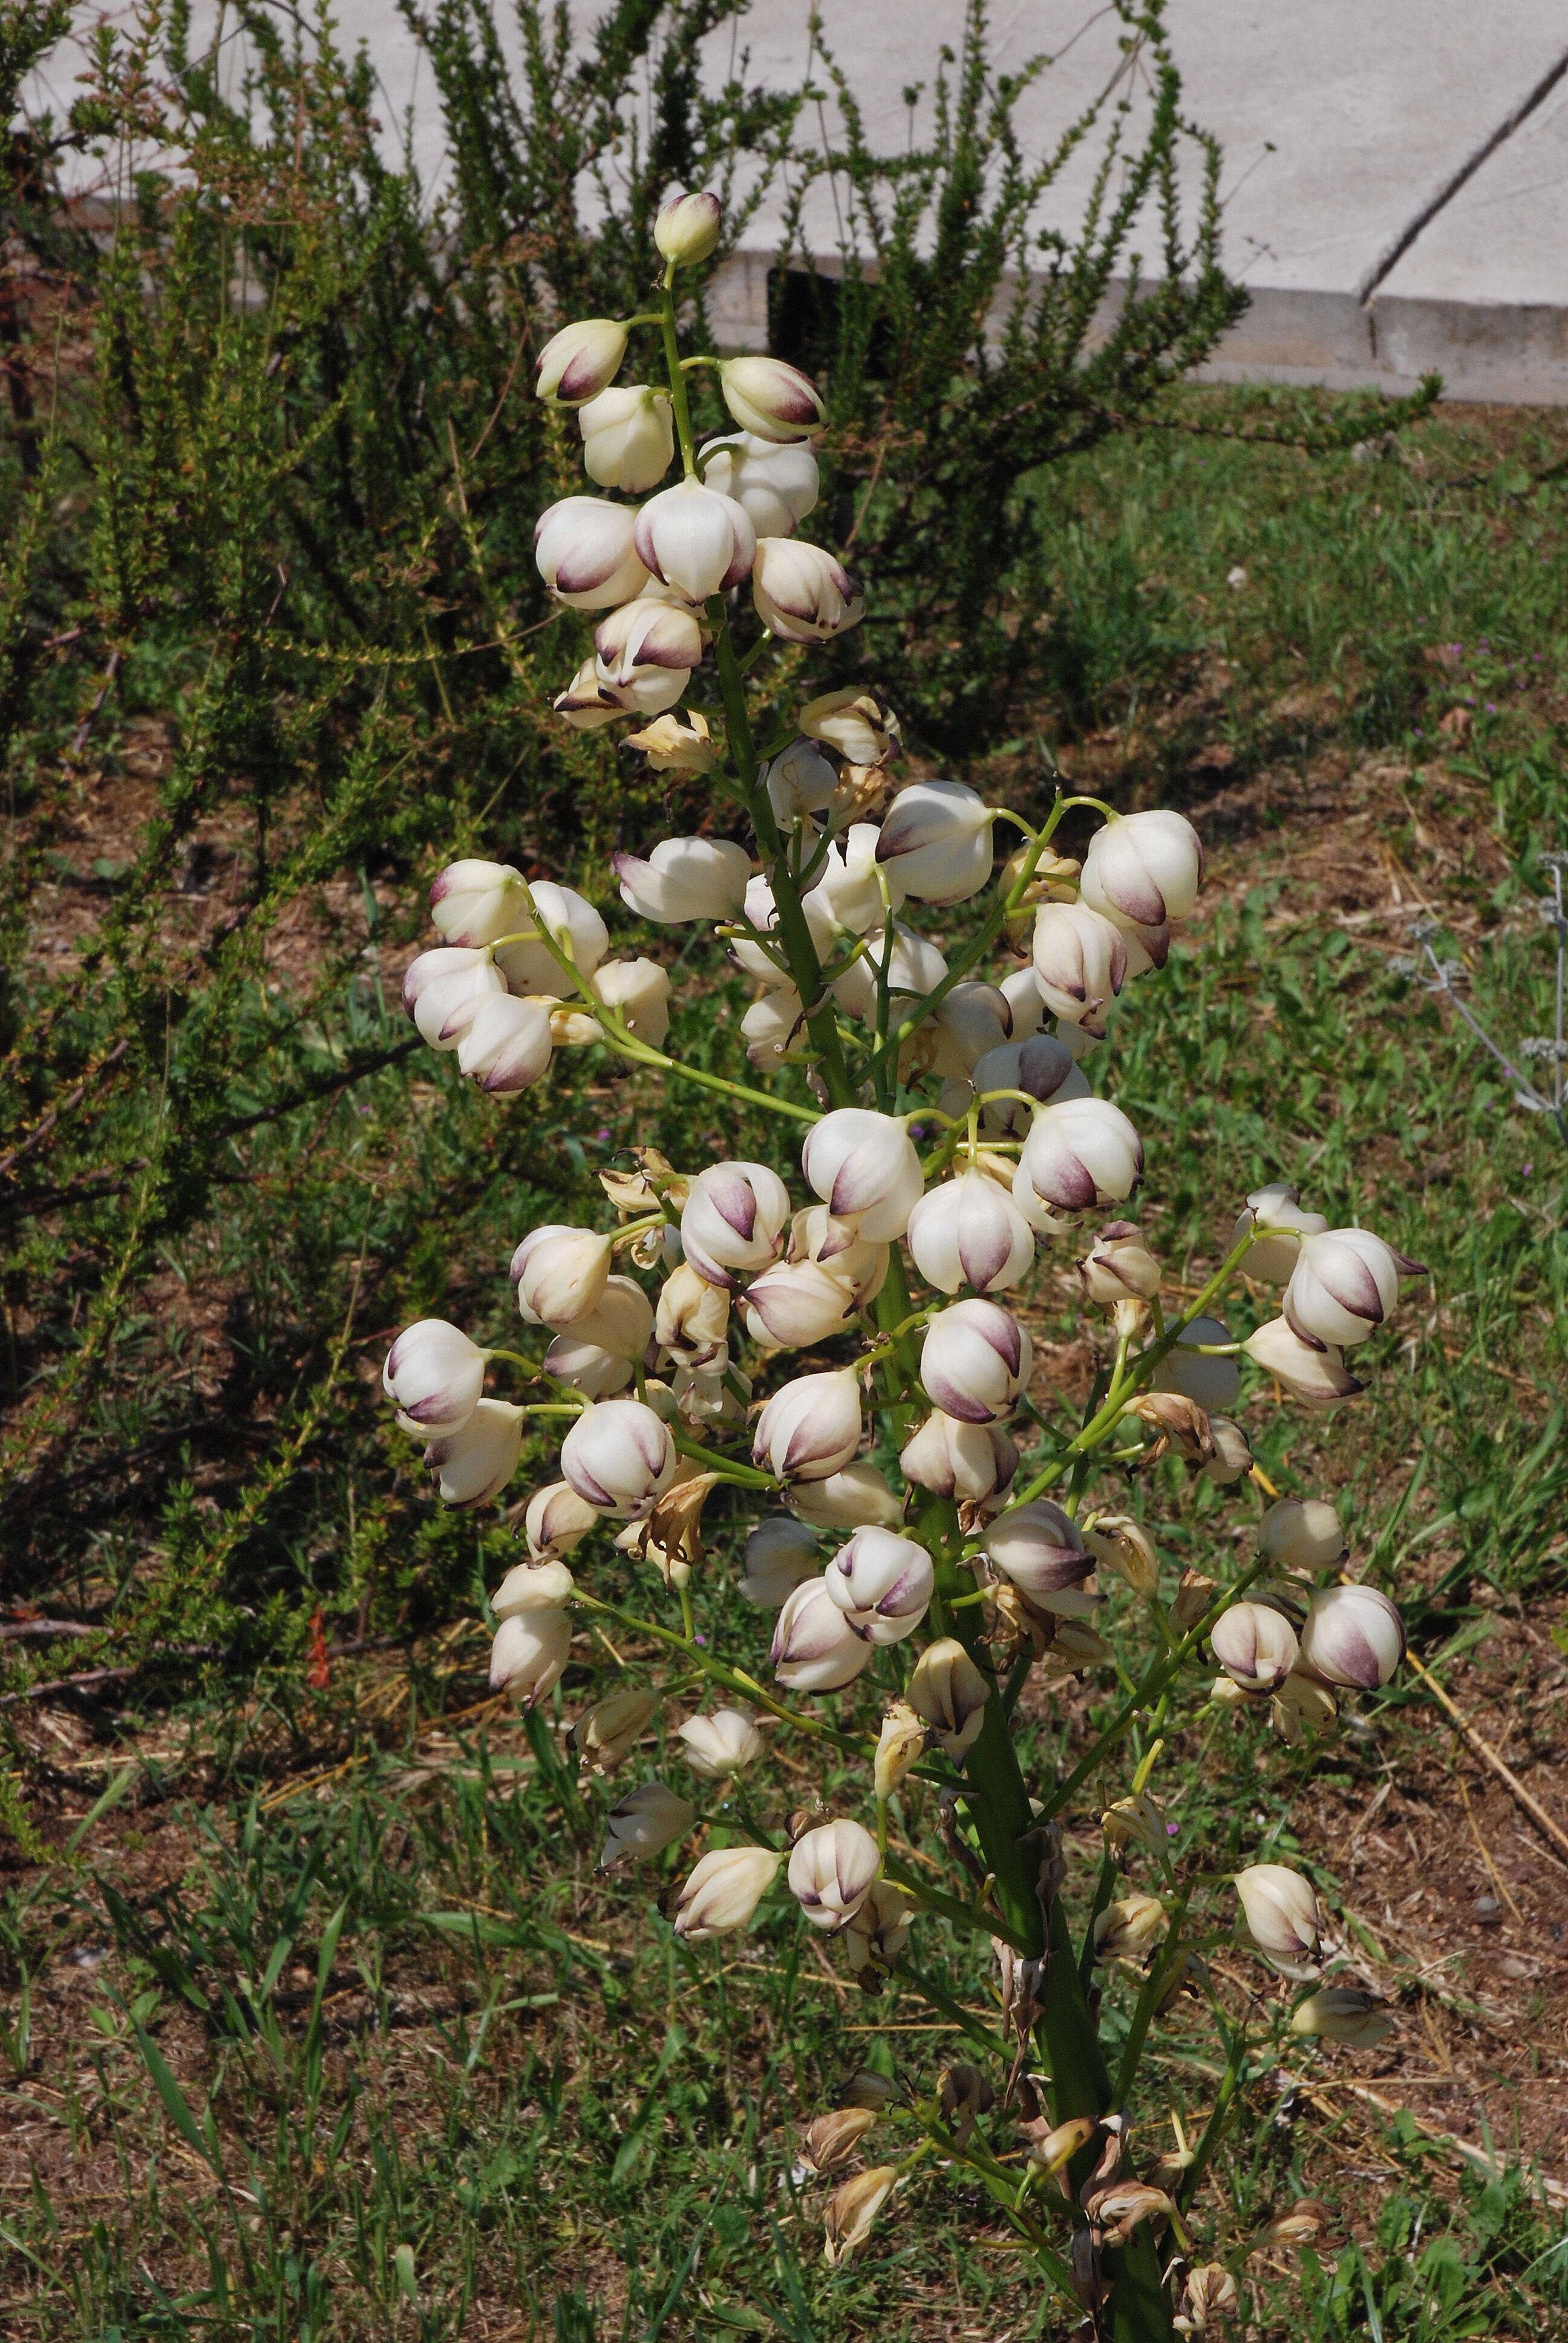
[(317, 2022)]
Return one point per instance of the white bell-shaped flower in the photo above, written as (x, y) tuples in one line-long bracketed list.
[(733, 1221), (1280, 1910), (1082, 1151), (586, 552), (949, 1693), (694, 539), (1255, 1644), (721, 1744), (475, 1463), (1041, 1549), (864, 1167), (775, 484), (1213, 1385), (849, 887), (645, 653), (557, 1520), (801, 593), (530, 1652), (800, 783), (620, 1457), (968, 1462), (723, 1892), (1271, 1257), (560, 1273), (815, 1649), (774, 1026), (780, 1556), (912, 968), (937, 840), (1302, 1533), (637, 992), (974, 1362), (435, 1375), (629, 438), (1026, 1001), (532, 1587), (442, 991), (1145, 868), (644, 1822), (507, 1046), (1344, 1285), (686, 229), (1080, 964), (685, 878), (809, 1427), (1353, 1636), (1313, 1372), (969, 1233), (573, 926), (797, 1304), (856, 720), (833, 1870), (882, 1584), (761, 912), (850, 1499), (476, 902)]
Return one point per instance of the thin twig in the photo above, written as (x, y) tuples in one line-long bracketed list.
[(1484, 1750)]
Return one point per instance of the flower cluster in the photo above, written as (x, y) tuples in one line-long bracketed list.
[(838, 1341)]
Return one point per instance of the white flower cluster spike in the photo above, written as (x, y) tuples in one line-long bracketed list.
[(836, 1341)]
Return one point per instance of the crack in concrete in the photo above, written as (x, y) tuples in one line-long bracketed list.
[(1428, 211)]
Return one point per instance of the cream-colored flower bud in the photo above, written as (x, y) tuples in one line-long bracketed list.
[(852, 2211), (831, 1872), (774, 1026), (811, 1427), (557, 1520), (833, 2138), (644, 1822), (528, 1654), (1145, 868), (723, 1892), (474, 1463), (1342, 2012), (560, 1274), (1130, 1927), (901, 1745), (815, 1649), (721, 1744), (949, 1693), (1281, 1910), (1318, 1376), (1302, 1533), (1353, 1636), (580, 360), (605, 1733), (1124, 1546), (1117, 1265), (1273, 1253), (847, 1500), (1232, 1458), (770, 399), (1302, 1710), (474, 902), (532, 1587), (686, 230), (1138, 1821), (1255, 1644), (969, 1461), (1194, 1593), (780, 1556)]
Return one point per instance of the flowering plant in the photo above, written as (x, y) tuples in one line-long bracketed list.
[(915, 1600)]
